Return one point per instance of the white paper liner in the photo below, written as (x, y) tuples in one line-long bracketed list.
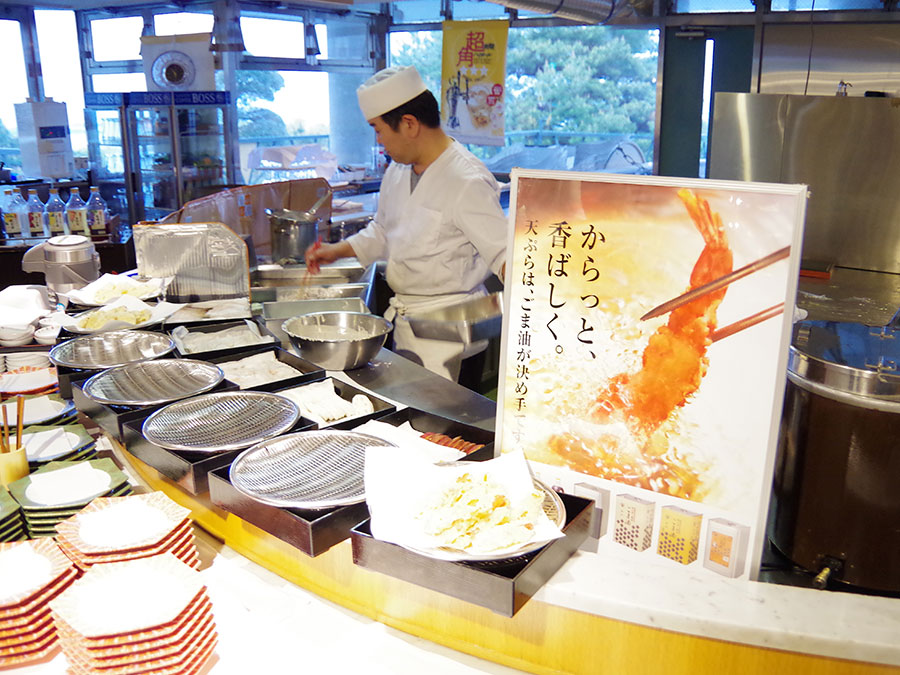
[(158, 312), (110, 287), (401, 486), (321, 403), (117, 598), (257, 369), (404, 436), (72, 484), (189, 342)]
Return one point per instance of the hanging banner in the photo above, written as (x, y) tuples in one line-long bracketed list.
[(473, 73), (662, 408)]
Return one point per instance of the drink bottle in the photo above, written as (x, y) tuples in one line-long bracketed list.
[(76, 214), (35, 210), (55, 212), (96, 212), (14, 216)]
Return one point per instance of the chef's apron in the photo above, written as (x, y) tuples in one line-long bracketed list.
[(439, 356)]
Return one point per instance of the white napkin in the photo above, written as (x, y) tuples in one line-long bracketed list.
[(405, 436)]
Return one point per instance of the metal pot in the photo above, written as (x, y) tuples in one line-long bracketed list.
[(836, 506), (68, 262), (292, 233)]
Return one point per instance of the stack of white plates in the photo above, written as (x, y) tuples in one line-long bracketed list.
[(60, 443), (16, 360), (59, 490), (28, 380), (117, 529), (33, 573), (151, 615), (12, 526)]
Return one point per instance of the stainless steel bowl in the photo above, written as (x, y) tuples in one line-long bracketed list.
[(337, 340)]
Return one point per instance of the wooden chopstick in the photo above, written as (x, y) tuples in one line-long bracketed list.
[(716, 284), (4, 438), (751, 320), (20, 413)]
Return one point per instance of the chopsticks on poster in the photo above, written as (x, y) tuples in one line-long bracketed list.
[(751, 320), (721, 282)]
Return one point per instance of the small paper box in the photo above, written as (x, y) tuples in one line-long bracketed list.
[(726, 547), (634, 522)]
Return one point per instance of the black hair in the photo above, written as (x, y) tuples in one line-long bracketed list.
[(423, 107)]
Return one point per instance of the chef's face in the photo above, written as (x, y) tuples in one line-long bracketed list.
[(397, 144)]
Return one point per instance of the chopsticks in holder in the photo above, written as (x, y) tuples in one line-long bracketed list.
[(4, 438), (20, 414), (716, 284), (751, 320)]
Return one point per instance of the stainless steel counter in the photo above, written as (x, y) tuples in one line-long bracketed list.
[(859, 296), (401, 380)]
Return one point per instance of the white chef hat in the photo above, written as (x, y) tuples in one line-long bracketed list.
[(387, 89)]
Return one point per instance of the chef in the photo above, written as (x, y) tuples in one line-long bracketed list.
[(439, 223)]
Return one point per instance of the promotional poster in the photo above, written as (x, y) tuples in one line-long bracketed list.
[(662, 408), (473, 73)]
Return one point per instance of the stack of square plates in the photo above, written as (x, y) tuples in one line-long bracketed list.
[(140, 616), (12, 526), (64, 443), (59, 490), (28, 380), (41, 409), (116, 529), (33, 573)]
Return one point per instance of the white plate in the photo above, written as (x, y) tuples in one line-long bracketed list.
[(32, 380), (72, 485), (42, 446), (37, 410)]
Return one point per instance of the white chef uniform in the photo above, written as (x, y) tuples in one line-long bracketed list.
[(441, 241)]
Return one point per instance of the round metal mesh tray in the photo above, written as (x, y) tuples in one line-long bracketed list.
[(553, 508), (152, 382), (114, 348), (306, 470), (220, 422)]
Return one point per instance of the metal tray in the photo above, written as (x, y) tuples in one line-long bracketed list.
[(306, 470), (113, 348), (220, 422), (466, 322), (152, 382)]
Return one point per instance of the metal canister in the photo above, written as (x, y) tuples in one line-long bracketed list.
[(292, 233), (836, 506)]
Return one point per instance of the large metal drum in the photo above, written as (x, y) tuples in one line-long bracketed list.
[(836, 501)]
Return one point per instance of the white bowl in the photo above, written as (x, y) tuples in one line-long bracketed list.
[(47, 335), (14, 333)]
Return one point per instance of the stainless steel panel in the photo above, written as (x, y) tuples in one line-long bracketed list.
[(747, 138), (844, 148)]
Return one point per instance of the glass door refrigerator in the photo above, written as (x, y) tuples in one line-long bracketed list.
[(104, 117)]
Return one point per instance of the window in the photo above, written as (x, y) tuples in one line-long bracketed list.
[(273, 37), (15, 90), (117, 39), (61, 68), (182, 23), (579, 97)]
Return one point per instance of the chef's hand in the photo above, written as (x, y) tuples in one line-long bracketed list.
[(320, 253)]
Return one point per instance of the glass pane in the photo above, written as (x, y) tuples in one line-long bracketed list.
[(718, 6), (824, 5), (117, 39), (202, 141), (282, 111), (60, 64), (578, 97), (153, 158), (14, 90), (466, 9), (182, 23), (115, 82), (274, 37)]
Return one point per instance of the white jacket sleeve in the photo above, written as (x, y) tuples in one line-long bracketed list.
[(479, 215)]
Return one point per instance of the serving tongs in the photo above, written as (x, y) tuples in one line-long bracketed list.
[(722, 282)]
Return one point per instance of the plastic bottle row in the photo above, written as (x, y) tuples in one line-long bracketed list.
[(27, 217)]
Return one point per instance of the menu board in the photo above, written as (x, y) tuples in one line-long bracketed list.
[(668, 419)]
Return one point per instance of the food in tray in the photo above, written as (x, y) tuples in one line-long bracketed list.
[(212, 309), (477, 515), (98, 318), (192, 342), (457, 442), (309, 293), (121, 285), (257, 369), (320, 402)]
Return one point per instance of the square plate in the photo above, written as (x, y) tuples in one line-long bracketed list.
[(19, 488)]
